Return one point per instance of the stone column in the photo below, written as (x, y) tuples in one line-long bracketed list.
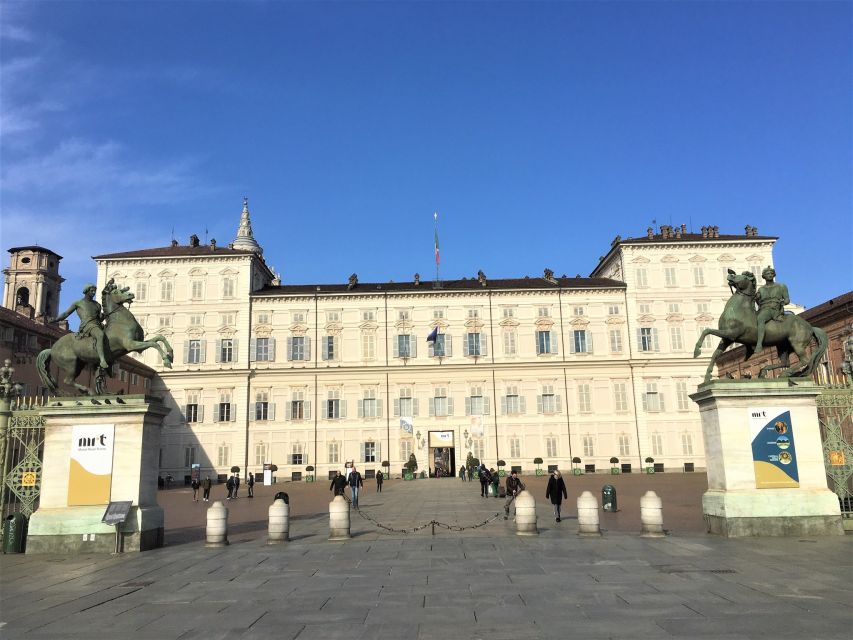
[(217, 525), (588, 517), (339, 528), (525, 514), (73, 499), (651, 516), (279, 522), (764, 457)]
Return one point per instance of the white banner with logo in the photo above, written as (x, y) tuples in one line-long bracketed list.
[(90, 473)]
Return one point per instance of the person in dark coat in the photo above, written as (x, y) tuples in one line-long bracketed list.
[(205, 485), (485, 480), (195, 484), (355, 483), (229, 484), (250, 485), (380, 478), (338, 485), (496, 482), (556, 491)]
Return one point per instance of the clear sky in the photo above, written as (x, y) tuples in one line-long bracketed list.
[(538, 130)]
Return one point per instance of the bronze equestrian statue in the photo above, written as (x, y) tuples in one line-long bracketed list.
[(739, 323), (96, 346)]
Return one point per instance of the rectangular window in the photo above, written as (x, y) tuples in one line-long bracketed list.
[(624, 445), (196, 320), (141, 291), (441, 347), (368, 346), (581, 341), (134, 379), (652, 400), (192, 410), (189, 456), (226, 350), (613, 310), (403, 314), (334, 454), (297, 454), (473, 344), (543, 342), (579, 311), (584, 397), (477, 448), (699, 276), (404, 346), (263, 318), (588, 446), (509, 343), (298, 317), (334, 405), (642, 278), (645, 308), (369, 452), (226, 319), (165, 322), (476, 402), (223, 455), (167, 290), (473, 313), (551, 447), (261, 453), (616, 340), (647, 339), (333, 316), (708, 341), (657, 444), (549, 402), (299, 408), (228, 287), (543, 312), (368, 316), (512, 401), (194, 352), (681, 396), (620, 396), (437, 314), (406, 403), (686, 444), (514, 448), (328, 346), (507, 312), (405, 450), (197, 289), (262, 349), (676, 339), (223, 409), (703, 307), (297, 348), (669, 275), (673, 308), (262, 405), (369, 405), (441, 405)]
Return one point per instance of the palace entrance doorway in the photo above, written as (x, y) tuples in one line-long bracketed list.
[(442, 454)]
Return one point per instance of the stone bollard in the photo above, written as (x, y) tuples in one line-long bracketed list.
[(651, 516), (588, 515), (217, 525), (279, 526), (525, 514), (338, 519)]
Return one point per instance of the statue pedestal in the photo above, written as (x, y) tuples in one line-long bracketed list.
[(765, 463), (98, 450)]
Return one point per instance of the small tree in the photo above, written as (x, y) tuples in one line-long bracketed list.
[(310, 476), (235, 469), (614, 469), (537, 462), (501, 465), (412, 464), (469, 461), (650, 460)]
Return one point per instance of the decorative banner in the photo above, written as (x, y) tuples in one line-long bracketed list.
[(407, 424), (773, 453), (441, 438), (477, 426), (90, 474)]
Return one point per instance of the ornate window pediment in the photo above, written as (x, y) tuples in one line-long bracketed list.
[(473, 323), (195, 332), (227, 332), (674, 317), (646, 319), (640, 260), (333, 328), (726, 257), (615, 320), (117, 275), (264, 331), (669, 259), (544, 324), (198, 272), (705, 317), (754, 259), (697, 258), (298, 327), (368, 326), (580, 322), (229, 271), (166, 273), (509, 323), (403, 326)]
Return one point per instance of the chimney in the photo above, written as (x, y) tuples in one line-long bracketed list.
[(716, 231), (213, 244), (747, 231), (754, 231), (678, 232), (704, 232), (174, 242), (683, 229), (650, 233), (194, 240), (417, 279), (481, 277)]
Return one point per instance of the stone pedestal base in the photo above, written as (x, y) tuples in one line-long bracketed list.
[(80, 530), (740, 504)]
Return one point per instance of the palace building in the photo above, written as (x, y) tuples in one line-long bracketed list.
[(320, 374)]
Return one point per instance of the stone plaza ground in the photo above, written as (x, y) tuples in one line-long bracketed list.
[(481, 582)]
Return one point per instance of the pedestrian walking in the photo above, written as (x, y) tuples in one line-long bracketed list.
[(355, 482), (484, 481), (462, 473), (380, 478), (229, 484), (470, 474), (556, 491), (250, 485), (338, 484), (195, 484), (514, 486), (205, 485), (236, 484), (496, 482)]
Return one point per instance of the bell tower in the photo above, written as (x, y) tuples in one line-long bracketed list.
[(32, 281)]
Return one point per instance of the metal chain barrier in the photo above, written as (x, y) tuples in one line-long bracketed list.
[(431, 523)]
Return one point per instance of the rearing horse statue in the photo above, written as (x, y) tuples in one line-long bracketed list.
[(739, 324), (123, 335)]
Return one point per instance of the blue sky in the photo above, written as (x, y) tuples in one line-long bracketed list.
[(538, 130)]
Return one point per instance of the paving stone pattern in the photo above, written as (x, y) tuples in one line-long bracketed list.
[(479, 583)]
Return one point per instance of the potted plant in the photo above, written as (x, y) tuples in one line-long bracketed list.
[(575, 469), (501, 465), (473, 465), (310, 470), (411, 467), (614, 470), (650, 462), (386, 469), (537, 462)]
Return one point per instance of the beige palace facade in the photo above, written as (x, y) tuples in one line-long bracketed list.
[(321, 374)]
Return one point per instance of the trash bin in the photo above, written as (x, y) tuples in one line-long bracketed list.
[(281, 495), (608, 498), (14, 533)]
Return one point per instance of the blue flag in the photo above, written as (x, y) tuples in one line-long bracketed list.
[(431, 337)]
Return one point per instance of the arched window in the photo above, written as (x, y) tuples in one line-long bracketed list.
[(23, 297)]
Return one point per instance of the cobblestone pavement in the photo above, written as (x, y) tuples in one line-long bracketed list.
[(477, 583)]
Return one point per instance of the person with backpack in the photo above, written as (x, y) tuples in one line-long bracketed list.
[(355, 482), (485, 481), (250, 485)]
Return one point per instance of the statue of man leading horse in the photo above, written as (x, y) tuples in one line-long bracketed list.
[(98, 345), (769, 326)]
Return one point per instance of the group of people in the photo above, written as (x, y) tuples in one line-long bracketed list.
[(490, 482), (355, 482), (232, 485)]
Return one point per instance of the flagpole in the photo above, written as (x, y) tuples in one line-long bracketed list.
[(437, 284)]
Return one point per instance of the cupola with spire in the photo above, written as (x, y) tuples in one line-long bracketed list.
[(245, 238)]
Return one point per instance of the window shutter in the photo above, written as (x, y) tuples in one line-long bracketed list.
[(645, 399), (325, 345), (307, 410), (432, 407), (464, 344), (216, 412), (414, 407), (342, 404), (272, 350), (253, 413), (589, 346), (655, 339), (253, 349), (235, 355), (572, 343), (431, 349), (289, 348), (536, 339), (233, 412), (522, 404), (361, 452), (396, 407), (413, 347), (378, 408), (201, 413), (360, 408), (218, 351), (307, 348), (186, 352), (503, 405), (395, 347), (288, 410), (450, 406), (271, 411), (447, 350), (539, 408), (554, 348), (558, 402), (202, 351), (484, 344), (660, 402), (467, 406), (184, 412), (486, 407)]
